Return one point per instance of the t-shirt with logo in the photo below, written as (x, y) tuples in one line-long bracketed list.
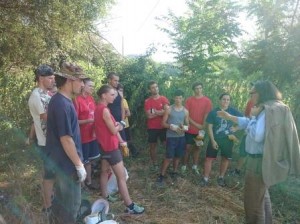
[(155, 104), (38, 104), (222, 127)]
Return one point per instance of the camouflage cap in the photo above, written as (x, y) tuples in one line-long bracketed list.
[(71, 71)]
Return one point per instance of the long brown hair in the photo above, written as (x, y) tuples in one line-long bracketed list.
[(266, 91)]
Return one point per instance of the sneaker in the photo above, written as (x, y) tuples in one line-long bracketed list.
[(111, 198), (183, 169), (221, 182), (135, 210), (196, 171), (160, 181), (203, 182)]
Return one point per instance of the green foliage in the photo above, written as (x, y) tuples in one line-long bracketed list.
[(203, 34)]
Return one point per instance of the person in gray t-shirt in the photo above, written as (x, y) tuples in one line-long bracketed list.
[(176, 120)]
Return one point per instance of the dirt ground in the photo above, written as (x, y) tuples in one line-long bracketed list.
[(181, 201)]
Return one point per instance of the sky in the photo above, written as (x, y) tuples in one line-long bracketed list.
[(132, 26)]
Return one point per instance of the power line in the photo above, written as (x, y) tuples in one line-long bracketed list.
[(149, 14)]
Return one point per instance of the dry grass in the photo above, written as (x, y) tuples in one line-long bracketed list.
[(181, 202)]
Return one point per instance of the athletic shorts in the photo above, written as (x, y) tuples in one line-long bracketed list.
[(190, 138), (225, 146), (90, 151), (48, 165), (242, 148), (112, 157), (155, 134), (175, 147)]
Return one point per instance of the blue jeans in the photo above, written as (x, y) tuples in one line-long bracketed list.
[(67, 198)]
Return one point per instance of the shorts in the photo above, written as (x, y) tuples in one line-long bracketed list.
[(112, 157), (242, 148), (154, 134), (90, 151), (190, 138), (48, 165), (175, 147), (225, 146)]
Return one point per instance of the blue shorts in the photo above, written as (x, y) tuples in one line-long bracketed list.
[(175, 147), (90, 151)]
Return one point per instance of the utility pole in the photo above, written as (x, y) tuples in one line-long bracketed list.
[(122, 45)]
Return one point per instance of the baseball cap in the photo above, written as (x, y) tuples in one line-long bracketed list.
[(71, 71), (43, 70)]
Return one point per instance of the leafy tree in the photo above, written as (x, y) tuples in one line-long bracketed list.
[(204, 34)]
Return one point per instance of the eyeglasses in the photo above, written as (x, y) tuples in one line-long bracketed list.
[(253, 92)]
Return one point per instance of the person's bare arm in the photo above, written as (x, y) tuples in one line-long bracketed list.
[(186, 118), (43, 116), (87, 121), (113, 128), (127, 112), (211, 136), (225, 115), (165, 118), (199, 126), (70, 149)]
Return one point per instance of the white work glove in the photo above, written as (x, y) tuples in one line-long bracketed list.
[(123, 144), (123, 123), (81, 173), (174, 127)]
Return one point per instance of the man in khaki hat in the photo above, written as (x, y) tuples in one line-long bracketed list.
[(64, 144)]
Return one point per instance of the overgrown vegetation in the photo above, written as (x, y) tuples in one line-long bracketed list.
[(206, 49), (183, 201)]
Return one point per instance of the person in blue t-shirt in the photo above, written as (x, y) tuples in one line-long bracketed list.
[(221, 139), (64, 145)]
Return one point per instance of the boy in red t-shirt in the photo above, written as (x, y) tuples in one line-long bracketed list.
[(85, 106), (198, 107), (155, 107)]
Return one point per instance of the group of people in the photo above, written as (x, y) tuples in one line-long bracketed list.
[(72, 130), (183, 128), (270, 142)]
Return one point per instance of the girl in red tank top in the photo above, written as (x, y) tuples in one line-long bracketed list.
[(107, 134)]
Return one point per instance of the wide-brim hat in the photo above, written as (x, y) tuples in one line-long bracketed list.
[(71, 71)]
